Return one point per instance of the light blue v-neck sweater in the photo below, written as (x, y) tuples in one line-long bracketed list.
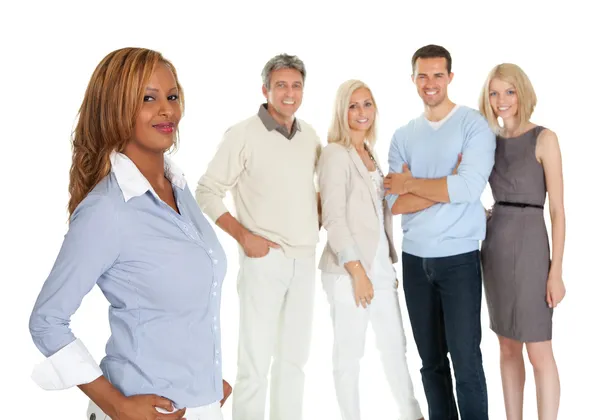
[(446, 229)]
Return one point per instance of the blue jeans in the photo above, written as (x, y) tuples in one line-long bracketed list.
[(443, 296)]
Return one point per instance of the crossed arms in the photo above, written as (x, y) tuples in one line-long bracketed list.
[(416, 194), (464, 185)]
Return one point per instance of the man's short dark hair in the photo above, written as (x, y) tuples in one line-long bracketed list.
[(432, 51)]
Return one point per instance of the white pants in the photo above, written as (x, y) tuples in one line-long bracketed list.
[(206, 412), (276, 313), (349, 330)]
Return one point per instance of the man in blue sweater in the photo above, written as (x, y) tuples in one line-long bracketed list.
[(439, 165)]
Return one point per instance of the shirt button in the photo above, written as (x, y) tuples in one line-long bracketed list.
[(214, 293), (185, 227), (214, 318), (218, 352), (216, 261), (210, 251), (217, 362), (215, 284)]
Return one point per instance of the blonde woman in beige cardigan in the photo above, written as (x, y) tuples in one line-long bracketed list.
[(357, 271)]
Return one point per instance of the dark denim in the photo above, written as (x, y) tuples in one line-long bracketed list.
[(443, 296)]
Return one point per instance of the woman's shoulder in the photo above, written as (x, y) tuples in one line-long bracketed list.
[(546, 141), (545, 134), (105, 197), (334, 149), (334, 157)]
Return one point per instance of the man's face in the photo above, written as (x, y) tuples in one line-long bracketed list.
[(431, 78), (284, 95)]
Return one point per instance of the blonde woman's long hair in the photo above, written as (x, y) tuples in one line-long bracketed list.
[(339, 130), (107, 115), (513, 74)]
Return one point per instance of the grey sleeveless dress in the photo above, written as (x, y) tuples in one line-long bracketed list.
[(515, 253)]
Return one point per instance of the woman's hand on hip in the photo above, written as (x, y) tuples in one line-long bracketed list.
[(144, 407), (226, 391)]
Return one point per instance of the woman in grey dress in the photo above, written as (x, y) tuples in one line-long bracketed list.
[(522, 283)]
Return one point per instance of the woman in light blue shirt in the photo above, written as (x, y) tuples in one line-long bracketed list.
[(136, 231)]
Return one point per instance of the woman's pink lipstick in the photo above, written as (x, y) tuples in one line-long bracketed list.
[(165, 128)]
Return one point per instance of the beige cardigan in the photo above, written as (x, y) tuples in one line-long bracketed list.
[(349, 213)]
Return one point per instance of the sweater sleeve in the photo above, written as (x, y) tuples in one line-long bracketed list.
[(222, 174), (477, 162), (396, 159)]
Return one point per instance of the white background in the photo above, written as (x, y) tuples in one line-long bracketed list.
[(51, 48)]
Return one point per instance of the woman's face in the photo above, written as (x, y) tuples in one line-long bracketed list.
[(504, 99), (156, 124), (361, 110)]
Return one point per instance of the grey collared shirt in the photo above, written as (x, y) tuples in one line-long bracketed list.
[(271, 124)]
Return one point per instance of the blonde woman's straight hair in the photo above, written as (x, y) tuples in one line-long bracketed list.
[(513, 74), (339, 130)]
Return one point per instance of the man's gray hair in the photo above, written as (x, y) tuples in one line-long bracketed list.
[(282, 61)]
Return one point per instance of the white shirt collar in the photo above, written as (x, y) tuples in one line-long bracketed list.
[(133, 183)]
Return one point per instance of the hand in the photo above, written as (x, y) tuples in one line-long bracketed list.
[(363, 291), (144, 407), (395, 183), (455, 170), (256, 246), (226, 391), (555, 290)]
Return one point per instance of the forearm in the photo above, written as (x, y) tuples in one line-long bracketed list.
[(355, 269), (435, 190), (105, 395), (232, 226), (558, 240), (410, 203)]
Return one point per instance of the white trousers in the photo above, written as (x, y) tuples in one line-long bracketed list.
[(206, 412), (276, 313), (349, 330)]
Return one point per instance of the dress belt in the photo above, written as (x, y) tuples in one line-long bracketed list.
[(522, 205)]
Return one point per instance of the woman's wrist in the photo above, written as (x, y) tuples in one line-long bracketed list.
[(555, 269), (105, 395), (355, 269)]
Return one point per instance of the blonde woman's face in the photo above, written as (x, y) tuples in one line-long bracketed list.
[(503, 99), (361, 110)]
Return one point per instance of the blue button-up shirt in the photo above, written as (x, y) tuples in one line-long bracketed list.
[(162, 274)]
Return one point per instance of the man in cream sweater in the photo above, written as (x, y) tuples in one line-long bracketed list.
[(268, 163)]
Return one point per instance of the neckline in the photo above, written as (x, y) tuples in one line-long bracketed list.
[(446, 117), (520, 135), (438, 125)]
